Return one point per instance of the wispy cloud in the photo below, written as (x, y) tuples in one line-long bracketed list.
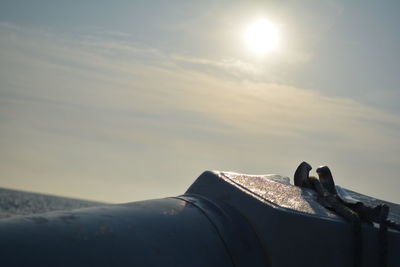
[(112, 115)]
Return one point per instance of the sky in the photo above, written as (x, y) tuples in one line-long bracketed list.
[(121, 101)]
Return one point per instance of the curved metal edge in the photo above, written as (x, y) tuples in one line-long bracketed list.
[(240, 239)]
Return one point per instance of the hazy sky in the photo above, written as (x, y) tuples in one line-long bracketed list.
[(127, 100)]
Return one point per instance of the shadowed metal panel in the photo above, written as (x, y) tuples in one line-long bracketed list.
[(164, 232), (294, 229)]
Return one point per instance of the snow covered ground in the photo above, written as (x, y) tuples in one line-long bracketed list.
[(13, 202)]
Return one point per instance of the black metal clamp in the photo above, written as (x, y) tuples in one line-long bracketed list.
[(353, 211)]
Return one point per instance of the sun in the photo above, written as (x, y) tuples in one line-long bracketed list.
[(262, 36)]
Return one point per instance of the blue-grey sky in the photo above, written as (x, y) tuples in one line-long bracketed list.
[(127, 100)]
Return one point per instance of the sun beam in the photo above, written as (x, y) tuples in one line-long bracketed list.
[(262, 36)]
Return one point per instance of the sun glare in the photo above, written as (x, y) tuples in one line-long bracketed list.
[(262, 36)]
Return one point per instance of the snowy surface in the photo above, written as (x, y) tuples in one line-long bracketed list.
[(13, 202)]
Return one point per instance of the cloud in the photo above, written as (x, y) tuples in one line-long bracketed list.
[(123, 122)]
